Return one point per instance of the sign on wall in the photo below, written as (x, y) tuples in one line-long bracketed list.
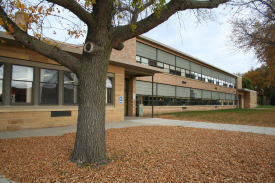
[(120, 99)]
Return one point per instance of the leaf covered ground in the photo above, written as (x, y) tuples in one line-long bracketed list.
[(253, 117), (146, 154)]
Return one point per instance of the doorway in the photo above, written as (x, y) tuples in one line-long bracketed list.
[(126, 84)]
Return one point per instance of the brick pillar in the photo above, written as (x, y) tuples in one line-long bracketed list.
[(131, 100)]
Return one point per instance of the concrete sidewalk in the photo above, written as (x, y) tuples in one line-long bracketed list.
[(131, 122), (139, 121)]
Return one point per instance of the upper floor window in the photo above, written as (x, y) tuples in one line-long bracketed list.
[(21, 84), (48, 86), (70, 88)]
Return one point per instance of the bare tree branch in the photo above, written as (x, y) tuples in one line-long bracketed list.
[(75, 8), (38, 46), (122, 33)]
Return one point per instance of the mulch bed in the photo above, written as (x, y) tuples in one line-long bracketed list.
[(146, 154)]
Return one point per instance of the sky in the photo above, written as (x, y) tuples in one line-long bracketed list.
[(208, 41)]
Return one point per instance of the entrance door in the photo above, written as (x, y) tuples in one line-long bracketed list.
[(126, 97)]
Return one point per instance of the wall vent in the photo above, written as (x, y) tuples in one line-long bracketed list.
[(184, 108), (61, 113), (183, 82), (216, 106)]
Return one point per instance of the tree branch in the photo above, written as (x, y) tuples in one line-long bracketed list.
[(75, 7), (123, 33), (38, 46)]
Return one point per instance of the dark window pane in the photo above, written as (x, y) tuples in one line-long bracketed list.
[(48, 93), (109, 96), (70, 94), (1, 90)]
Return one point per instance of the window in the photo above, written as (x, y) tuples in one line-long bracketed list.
[(1, 81), (109, 90), (183, 72), (70, 88), (187, 73), (159, 64), (21, 84), (199, 77), (203, 77), (166, 68), (153, 63), (48, 86), (192, 75), (144, 61), (137, 59)]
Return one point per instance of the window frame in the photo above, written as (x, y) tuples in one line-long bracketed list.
[(10, 89)]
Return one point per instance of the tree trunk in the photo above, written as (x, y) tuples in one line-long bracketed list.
[(90, 144)]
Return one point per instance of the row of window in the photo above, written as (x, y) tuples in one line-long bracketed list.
[(183, 72), (147, 100), (23, 82)]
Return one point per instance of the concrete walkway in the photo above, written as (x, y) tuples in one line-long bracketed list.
[(138, 121), (135, 121)]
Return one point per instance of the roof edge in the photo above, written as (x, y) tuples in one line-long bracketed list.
[(180, 52)]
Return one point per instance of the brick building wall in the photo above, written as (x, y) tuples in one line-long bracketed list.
[(31, 117)]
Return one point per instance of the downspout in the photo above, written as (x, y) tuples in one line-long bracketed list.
[(152, 96)]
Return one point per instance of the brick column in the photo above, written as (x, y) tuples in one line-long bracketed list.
[(131, 100)]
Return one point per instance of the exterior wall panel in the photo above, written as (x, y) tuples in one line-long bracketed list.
[(182, 63), (146, 51), (166, 57), (182, 92)]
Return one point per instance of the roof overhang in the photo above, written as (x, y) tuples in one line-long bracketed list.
[(135, 69), (246, 90)]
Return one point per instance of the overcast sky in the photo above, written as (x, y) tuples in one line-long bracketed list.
[(208, 41)]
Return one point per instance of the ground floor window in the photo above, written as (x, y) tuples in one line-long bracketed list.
[(42, 86), (109, 90), (21, 84), (48, 86), (70, 88)]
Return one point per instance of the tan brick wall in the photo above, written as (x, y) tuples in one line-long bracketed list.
[(21, 120), (129, 51), (250, 99), (190, 83), (116, 113), (169, 109), (239, 84)]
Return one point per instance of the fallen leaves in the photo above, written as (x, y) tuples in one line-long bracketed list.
[(146, 154)]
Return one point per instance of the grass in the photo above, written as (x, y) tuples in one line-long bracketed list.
[(266, 106), (254, 117)]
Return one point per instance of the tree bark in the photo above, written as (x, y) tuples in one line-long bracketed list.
[(90, 144)]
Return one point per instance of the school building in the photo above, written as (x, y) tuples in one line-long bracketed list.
[(37, 92)]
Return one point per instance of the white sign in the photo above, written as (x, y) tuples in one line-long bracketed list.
[(134, 96)]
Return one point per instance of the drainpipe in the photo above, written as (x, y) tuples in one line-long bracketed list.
[(152, 96)]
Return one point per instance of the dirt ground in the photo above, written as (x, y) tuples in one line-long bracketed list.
[(146, 154)]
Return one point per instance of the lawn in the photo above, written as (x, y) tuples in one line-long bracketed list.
[(254, 117), (146, 154)]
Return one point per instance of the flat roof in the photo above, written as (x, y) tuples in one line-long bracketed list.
[(182, 53)]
